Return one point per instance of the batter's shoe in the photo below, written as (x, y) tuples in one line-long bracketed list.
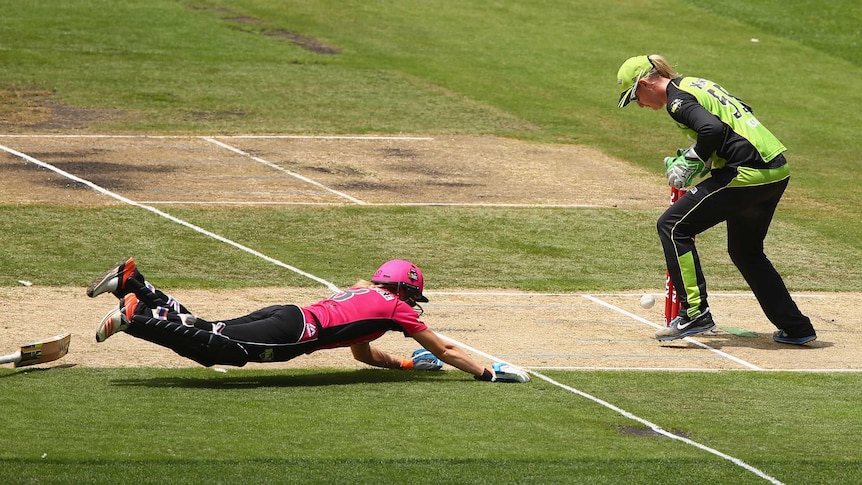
[(681, 327), (114, 280), (117, 319), (781, 336)]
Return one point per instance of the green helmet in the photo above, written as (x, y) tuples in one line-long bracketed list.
[(628, 76)]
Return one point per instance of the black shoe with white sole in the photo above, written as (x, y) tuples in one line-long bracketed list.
[(783, 337)]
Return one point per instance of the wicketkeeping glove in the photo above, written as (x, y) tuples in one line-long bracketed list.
[(422, 360), (681, 169)]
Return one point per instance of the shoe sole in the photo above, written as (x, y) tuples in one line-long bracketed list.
[(795, 341), (110, 280), (688, 333)]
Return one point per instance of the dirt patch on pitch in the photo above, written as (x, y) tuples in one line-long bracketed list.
[(230, 170), (536, 331)]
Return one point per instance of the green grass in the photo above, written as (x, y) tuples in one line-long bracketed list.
[(580, 250), (534, 70), (312, 426)]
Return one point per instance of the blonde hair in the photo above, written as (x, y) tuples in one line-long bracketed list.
[(390, 287), (661, 67)]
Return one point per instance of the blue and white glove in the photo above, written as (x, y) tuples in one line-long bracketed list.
[(508, 373), (425, 360), (681, 169)]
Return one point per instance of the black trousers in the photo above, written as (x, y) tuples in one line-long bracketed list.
[(747, 212), (270, 334), (275, 324)]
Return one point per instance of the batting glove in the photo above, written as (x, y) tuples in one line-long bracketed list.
[(681, 169), (422, 360), (504, 373)]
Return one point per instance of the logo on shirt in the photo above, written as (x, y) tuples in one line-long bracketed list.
[(385, 294), (310, 330), (675, 104)]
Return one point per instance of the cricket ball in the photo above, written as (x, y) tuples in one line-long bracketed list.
[(647, 301)]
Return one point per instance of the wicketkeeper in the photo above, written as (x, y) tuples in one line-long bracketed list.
[(748, 175), (352, 318)]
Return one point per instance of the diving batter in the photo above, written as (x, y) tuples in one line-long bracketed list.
[(351, 318)]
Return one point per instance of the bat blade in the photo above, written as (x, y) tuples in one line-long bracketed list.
[(39, 352)]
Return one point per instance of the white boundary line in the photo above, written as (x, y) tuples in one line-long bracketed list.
[(331, 286), (656, 428)]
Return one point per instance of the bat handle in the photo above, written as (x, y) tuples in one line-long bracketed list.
[(13, 357)]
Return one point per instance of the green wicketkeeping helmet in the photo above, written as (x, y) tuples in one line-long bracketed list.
[(628, 76)]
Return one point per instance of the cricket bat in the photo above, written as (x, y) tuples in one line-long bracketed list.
[(38, 352)]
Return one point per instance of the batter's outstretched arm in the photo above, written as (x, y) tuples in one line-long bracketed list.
[(367, 354), (448, 353)]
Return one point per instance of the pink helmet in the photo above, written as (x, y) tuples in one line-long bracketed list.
[(403, 274)]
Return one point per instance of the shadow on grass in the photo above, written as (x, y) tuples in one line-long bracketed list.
[(26, 370), (305, 379)]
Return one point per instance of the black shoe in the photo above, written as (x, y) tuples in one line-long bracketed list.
[(782, 337), (681, 327)]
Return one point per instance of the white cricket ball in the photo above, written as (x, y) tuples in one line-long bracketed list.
[(647, 301)]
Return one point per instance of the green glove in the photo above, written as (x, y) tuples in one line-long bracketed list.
[(682, 169)]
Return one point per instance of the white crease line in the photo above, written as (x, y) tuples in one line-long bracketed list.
[(263, 137), (281, 169), (329, 137), (657, 326), (690, 369), (389, 204), (504, 205), (143, 137), (581, 295), (181, 222), (595, 356), (656, 428), (625, 369), (261, 203)]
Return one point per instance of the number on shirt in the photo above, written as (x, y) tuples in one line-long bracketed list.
[(348, 294)]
